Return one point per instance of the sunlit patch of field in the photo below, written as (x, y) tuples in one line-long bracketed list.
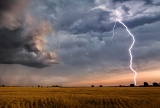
[(105, 97)]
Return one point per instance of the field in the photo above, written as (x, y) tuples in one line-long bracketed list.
[(105, 97)]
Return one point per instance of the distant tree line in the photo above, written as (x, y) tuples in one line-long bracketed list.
[(145, 84), (99, 85), (60, 85)]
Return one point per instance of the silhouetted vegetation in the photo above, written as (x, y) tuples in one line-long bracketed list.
[(155, 84), (132, 85), (92, 85), (146, 84), (2, 85), (100, 86), (55, 86)]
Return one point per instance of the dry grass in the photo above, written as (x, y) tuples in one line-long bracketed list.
[(106, 97)]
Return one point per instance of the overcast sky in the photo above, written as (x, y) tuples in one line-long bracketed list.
[(80, 40)]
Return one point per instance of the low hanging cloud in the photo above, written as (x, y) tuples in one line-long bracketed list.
[(22, 36)]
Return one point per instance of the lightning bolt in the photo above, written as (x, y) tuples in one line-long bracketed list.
[(119, 19), (113, 30), (130, 48)]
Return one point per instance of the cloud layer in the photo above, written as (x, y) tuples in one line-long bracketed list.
[(83, 35), (22, 36)]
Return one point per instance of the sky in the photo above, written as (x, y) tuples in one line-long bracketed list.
[(68, 42)]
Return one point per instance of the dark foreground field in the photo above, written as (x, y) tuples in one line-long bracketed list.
[(109, 97)]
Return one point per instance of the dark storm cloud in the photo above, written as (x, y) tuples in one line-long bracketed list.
[(146, 1), (120, 0), (142, 20), (76, 17), (22, 37), (86, 33), (7, 5), (125, 8)]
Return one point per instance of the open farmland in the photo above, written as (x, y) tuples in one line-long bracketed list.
[(105, 97)]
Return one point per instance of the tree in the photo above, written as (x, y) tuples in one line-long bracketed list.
[(100, 86), (132, 85), (146, 84), (155, 84), (92, 85), (120, 85)]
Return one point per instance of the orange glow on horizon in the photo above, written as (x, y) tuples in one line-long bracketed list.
[(126, 79)]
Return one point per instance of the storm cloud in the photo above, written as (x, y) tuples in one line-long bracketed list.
[(22, 36), (83, 36)]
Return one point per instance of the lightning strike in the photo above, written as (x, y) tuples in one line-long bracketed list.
[(113, 30), (119, 19)]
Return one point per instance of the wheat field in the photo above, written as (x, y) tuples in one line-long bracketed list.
[(105, 97)]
